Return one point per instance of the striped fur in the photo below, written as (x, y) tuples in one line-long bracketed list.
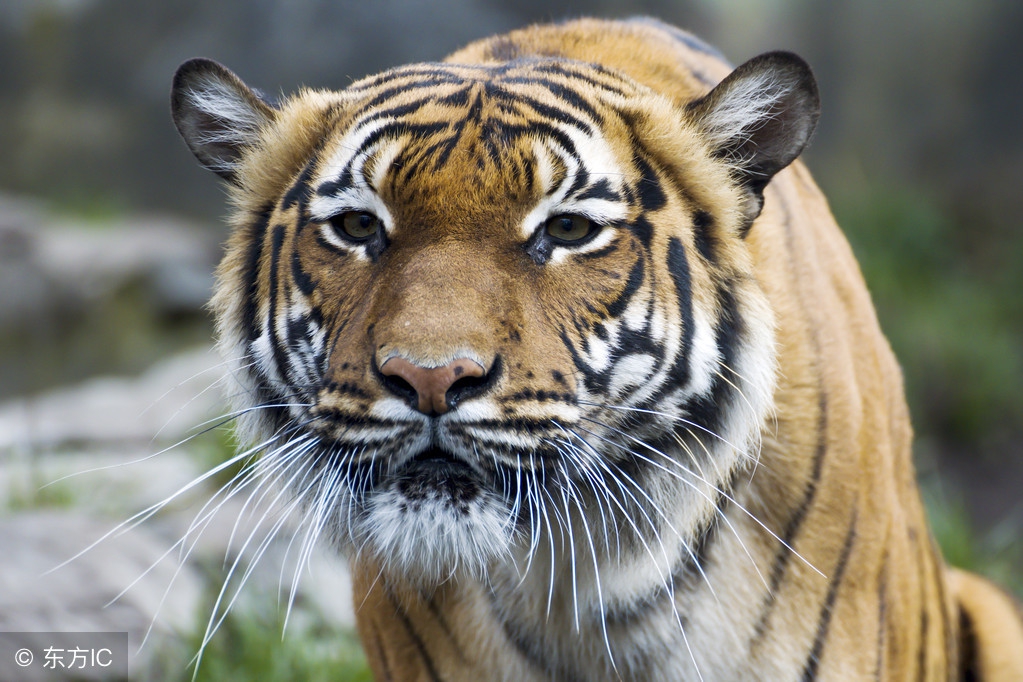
[(689, 455)]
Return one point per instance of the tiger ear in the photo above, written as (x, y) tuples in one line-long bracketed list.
[(217, 114), (760, 118)]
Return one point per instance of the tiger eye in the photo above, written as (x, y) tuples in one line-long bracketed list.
[(356, 225), (569, 228)]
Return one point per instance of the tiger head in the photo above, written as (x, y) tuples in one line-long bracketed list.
[(480, 312)]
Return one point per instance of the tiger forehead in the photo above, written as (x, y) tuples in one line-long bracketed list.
[(521, 76), (417, 118)]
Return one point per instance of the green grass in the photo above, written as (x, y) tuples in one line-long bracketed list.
[(996, 554), (252, 644), (35, 495), (29, 488)]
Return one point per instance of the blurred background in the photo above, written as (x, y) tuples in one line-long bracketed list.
[(109, 232)]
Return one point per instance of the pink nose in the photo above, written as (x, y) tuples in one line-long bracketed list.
[(432, 384)]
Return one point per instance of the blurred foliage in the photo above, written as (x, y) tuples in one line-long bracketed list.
[(253, 644), (953, 317), (29, 489), (69, 341), (996, 553)]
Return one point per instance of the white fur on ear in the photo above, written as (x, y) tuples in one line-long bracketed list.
[(217, 114), (743, 109), (759, 119)]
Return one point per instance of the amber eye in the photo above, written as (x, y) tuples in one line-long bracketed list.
[(357, 226), (569, 229)]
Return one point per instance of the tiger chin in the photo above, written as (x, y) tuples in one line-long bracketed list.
[(558, 342)]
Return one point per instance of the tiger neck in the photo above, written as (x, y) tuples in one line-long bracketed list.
[(540, 613)]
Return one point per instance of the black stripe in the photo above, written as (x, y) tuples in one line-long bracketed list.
[(431, 670), (678, 266), (882, 621), (544, 130), (407, 86), (582, 178), (706, 411), (299, 191), (946, 618), (600, 253), (632, 342), (651, 194), (303, 280), (399, 128), (549, 111), (347, 388), (398, 111), (595, 382), (574, 99), (430, 70), (925, 623), (395, 128), (458, 98), (442, 149), (582, 73), (278, 345), (969, 662), (792, 528), (616, 307), (306, 379), (330, 187), (446, 629), (706, 241), (784, 555), (599, 190), (256, 234), (643, 230), (493, 144), (381, 654), (921, 585), (824, 622)]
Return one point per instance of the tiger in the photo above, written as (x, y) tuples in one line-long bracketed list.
[(559, 346)]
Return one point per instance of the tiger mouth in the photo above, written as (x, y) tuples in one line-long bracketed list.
[(436, 472)]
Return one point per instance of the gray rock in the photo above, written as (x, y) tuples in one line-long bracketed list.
[(39, 593)]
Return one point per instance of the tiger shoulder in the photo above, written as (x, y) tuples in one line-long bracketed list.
[(561, 347)]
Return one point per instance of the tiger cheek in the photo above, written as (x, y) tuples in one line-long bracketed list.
[(337, 285)]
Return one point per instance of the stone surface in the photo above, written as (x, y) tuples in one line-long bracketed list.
[(164, 405), (77, 462)]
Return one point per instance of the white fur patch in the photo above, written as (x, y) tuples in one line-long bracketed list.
[(220, 100), (630, 371), (431, 540), (744, 108)]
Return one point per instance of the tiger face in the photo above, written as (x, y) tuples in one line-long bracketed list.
[(486, 312)]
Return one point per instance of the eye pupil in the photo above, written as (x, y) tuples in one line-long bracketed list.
[(569, 228), (356, 225)]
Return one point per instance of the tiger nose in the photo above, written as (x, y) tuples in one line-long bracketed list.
[(433, 385)]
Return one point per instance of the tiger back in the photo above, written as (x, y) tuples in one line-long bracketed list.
[(558, 343)]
